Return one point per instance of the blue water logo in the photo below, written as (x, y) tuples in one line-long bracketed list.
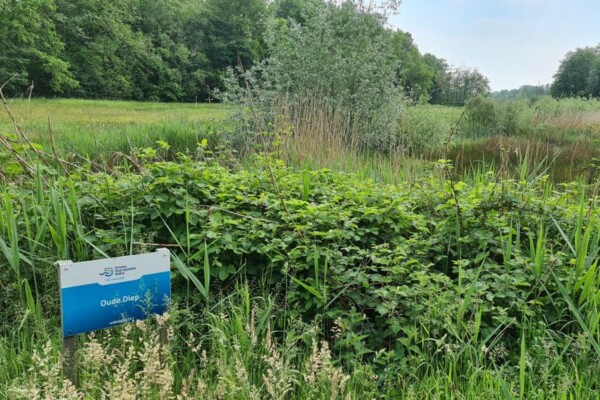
[(108, 272)]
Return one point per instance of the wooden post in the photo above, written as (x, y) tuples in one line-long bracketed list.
[(69, 353)]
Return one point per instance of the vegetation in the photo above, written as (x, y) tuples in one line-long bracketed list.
[(332, 235), (126, 49), (309, 283), (561, 135), (98, 128), (578, 74), (476, 277), (528, 92)]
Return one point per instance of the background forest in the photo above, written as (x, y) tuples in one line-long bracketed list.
[(179, 50), (171, 50)]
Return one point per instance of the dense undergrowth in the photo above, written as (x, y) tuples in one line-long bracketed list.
[(292, 280), (324, 245), (312, 284)]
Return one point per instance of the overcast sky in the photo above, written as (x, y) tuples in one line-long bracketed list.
[(512, 42)]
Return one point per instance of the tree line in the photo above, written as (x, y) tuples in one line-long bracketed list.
[(180, 50), (527, 92)]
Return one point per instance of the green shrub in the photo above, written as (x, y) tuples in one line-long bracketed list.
[(487, 117), (390, 263)]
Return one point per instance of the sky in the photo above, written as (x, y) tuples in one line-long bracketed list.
[(512, 42)]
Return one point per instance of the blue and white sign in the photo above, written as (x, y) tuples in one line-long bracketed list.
[(104, 293)]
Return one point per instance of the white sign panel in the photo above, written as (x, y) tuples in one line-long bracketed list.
[(104, 293)]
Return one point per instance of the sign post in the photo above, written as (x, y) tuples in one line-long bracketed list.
[(104, 293)]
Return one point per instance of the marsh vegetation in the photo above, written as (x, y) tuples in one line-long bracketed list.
[(366, 223)]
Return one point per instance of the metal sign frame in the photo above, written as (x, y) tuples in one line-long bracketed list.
[(108, 292)]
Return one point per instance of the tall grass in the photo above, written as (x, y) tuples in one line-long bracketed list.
[(313, 135), (96, 128), (560, 133)]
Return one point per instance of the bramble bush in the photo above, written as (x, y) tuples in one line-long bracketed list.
[(390, 267)]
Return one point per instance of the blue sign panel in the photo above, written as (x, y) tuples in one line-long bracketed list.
[(104, 293)]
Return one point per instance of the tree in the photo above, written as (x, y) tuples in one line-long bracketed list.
[(440, 85), (338, 62), (227, 33), (109, 58), (129, 49), (181, 49), (32, 51), (528, 92), (413, 73), (594, 89), (466, 83), (577, 75), (299, 11), (175, 68)]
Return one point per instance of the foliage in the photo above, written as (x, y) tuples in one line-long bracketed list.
[(104, 49), (486, 117), (466, 83), (342, 242), (413, 71), (32, 50), (528, 92), (578, 74), (453, 85), (179, 50), (339, 58), (491, 280), (440, 84), (126, 49), (440, 272)]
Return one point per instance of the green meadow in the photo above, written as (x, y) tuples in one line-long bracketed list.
[(97, 128)]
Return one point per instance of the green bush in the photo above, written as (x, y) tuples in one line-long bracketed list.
[(487, 117), (392, 265)]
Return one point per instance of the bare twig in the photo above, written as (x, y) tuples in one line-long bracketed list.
[(20, 135), (4, 141), (258, 124), (8, 81), (56, 157), (453, 132), (27, 162)]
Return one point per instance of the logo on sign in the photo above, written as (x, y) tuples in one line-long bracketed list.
[(119, 270)]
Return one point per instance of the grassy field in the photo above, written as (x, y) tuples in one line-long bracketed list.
[(98, 128), (304, 266)]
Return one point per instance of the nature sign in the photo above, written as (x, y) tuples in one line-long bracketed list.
[(104, 293)]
